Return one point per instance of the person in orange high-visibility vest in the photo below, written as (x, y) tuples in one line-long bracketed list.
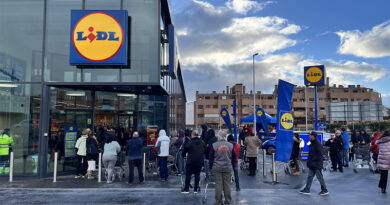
[(6, 143)]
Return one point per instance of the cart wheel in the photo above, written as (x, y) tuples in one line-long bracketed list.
[(303, 171), (355, 170)]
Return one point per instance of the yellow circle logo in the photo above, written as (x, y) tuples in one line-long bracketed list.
[(314, 74), (224, 113), (98, 36), (259, 113), (287, 121)]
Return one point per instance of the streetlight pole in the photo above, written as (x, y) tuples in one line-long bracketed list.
[(254, 96)]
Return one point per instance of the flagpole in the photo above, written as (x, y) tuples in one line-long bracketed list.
[(254, 96)]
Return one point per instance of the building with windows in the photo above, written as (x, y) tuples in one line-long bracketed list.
[(208, 105), (342, 112), (46, 102)]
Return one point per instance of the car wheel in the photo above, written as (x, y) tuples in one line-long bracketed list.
[(271, 150)]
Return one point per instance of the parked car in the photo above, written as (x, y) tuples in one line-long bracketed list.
[(270, 145)]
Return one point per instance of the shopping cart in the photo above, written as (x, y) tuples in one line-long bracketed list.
[(363, 158)]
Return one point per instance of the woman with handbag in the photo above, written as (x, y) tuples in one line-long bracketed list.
[(92, 154)]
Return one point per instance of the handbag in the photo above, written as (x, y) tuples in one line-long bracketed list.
[(158, 146)]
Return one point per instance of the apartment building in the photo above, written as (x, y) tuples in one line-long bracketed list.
[(208, 105)]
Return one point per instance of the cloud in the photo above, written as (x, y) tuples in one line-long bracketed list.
[(217, 43), (374, 43), (208, 77), (235, 41), (244, 6), (217, 34)]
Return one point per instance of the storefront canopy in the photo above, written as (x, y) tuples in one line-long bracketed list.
[(249, 119)]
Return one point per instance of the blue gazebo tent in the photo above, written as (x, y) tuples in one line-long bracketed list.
[(249, 119)]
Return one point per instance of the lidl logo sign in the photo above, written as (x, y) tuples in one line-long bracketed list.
[(224, 113), (314, 75), (286, 121), (98, 37), (259, 113)]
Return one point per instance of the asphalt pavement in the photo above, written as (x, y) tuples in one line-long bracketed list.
[(344, 188)]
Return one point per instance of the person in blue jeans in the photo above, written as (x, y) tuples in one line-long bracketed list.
[(162, 145), (134, 152), (180, 146), (315, 165), (346, 147)]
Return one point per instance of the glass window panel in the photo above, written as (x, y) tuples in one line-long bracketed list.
[(20, 114), (70, 99), (57, 66), (21, 37), (144, 41)]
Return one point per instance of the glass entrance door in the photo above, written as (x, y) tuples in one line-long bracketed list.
[(66, 127), (71, 111), (126, 121)]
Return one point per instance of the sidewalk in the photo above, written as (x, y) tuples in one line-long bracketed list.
[(344, 188)]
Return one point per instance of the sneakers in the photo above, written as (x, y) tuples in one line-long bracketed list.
[(296, 173), (77, 176), (304, 191), (383, 191), (183, 191), (197, 190), (238, 188), (323, 193)]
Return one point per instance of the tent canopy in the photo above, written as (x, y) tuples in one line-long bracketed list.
[(249, 119)]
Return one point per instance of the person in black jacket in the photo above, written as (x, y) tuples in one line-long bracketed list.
[(243, 134), (295, 154), (92, 154), (204, 131), (195, 151), (334, 147), (210, 139), (315, 164), (340, 146), (363, 138)]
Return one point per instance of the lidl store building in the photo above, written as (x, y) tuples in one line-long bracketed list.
[(52, 85)]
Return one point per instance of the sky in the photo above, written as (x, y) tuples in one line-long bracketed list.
[(217, 39)]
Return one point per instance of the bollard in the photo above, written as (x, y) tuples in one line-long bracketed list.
[(144, 166), (100, 168), (264, 162), (55, 167), (11, 167), (273, 168)]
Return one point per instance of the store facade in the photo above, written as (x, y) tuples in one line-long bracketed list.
[(43, 97)]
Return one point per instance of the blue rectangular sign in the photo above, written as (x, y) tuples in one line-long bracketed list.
[(305, 137), (99, 37), (314, 75), (321, 125)]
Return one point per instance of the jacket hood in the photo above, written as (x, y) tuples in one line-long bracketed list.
[(162, 133), (383, 139), (204, 127), (365, 132), (210, 134)]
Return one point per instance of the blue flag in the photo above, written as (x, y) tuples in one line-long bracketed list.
[(226, 117), (262, 120), (235, 120), (285, 125)]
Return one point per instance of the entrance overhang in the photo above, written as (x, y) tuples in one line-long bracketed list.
[(133, 88)]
